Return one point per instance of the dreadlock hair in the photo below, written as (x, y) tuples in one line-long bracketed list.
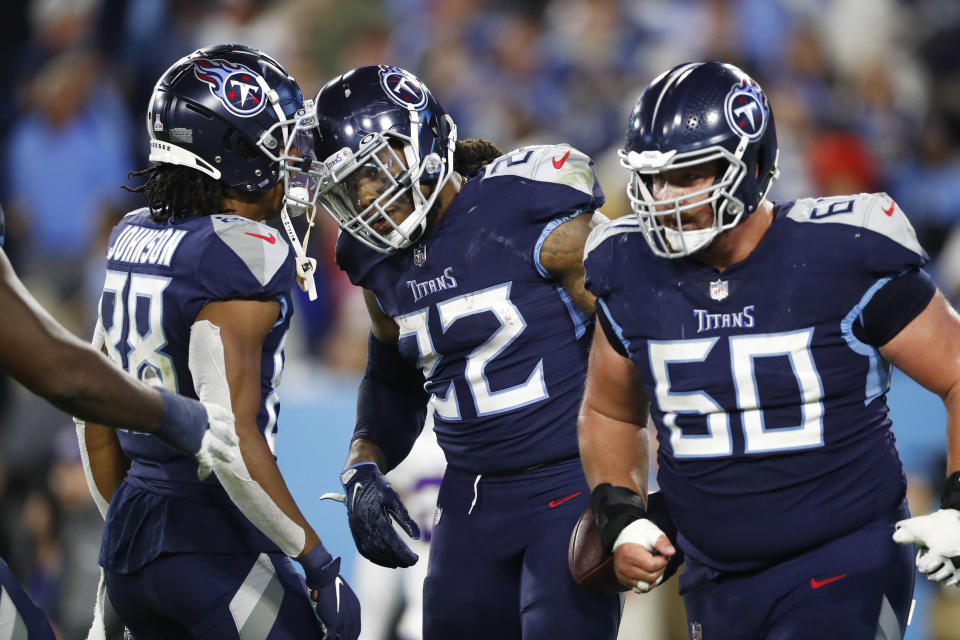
[(471, 154), (174, 190)]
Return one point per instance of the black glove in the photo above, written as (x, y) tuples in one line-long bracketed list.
[(371, 503), (334, 602)]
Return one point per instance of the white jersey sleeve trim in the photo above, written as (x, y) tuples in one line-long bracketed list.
[(550, 163), (876, 212)]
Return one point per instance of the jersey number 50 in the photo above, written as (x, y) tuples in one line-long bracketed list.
[(744, 351)]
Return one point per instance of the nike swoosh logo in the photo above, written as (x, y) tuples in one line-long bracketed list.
[(353, 502), (889, 211), (270, 238), (557, 503), (559, 163), (337, 582), (816, 584)]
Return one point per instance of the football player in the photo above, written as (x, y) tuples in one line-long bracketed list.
[(197, 296), (471, 265), (43, 356), (764, 364)]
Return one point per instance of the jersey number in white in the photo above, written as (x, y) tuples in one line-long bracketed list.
[(744, 351), (496, 300), (139, 346)]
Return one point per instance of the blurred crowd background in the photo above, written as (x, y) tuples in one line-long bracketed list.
[(866, 95)]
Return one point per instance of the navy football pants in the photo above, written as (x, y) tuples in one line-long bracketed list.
[(20, 617), (858, 587), (498, 560), (229, 597)]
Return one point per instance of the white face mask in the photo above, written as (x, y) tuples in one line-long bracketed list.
[(689, 241)]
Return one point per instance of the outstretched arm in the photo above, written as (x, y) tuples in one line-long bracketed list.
[(47, 359)]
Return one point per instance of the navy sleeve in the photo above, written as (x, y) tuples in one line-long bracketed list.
[(894, 306)]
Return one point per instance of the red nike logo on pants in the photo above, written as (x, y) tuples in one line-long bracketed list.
[(816, 584), (556, 503)]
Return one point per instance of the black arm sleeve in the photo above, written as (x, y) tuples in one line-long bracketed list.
[(391, 402)]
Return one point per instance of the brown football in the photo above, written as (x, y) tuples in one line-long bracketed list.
[(590, 567)]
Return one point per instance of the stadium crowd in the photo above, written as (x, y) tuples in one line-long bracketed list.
[(866, 95)]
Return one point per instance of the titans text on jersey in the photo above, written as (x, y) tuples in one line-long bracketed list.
[(747, 368), (493, 332)]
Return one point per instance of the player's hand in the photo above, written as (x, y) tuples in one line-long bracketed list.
[(220, 445), (640, 555), (334, 602), (372, 505), (938, 537)]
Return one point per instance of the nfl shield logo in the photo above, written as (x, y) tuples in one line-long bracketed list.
[(719, 290), (436, 516), (696, 631), (420, 254)]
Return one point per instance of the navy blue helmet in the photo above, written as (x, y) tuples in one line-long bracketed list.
[(382, 124), (3, 226), (696, 113), (234, 113), (225, 111)]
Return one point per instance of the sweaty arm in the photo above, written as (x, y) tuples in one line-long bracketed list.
[(562, 256), (613, 449), (254, 483)]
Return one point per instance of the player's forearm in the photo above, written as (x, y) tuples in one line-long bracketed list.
[(85, 384), (262, 467), (612, 451), (952, 403), (363, 450), (107, 464)]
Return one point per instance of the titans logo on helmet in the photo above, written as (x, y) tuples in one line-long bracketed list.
[(238, 88), (402, 88), (747, 110)]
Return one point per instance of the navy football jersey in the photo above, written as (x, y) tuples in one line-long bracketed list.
[(159, 277), (500, 342), (770, 412)]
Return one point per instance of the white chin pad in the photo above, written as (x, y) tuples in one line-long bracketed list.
[(295, 201), (207, 367)]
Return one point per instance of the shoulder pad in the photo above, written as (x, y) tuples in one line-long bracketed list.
[(259, 246), (553, 163), (876, 212), (624, 224)]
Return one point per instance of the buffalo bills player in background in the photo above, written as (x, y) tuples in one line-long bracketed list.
[(764, 363), (471, 264), (197, 295), (48, 360)]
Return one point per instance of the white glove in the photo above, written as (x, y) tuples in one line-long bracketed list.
[(644, 533), (938, 536), (220, 445)]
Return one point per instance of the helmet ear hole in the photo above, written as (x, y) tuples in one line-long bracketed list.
[(234, 142)]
